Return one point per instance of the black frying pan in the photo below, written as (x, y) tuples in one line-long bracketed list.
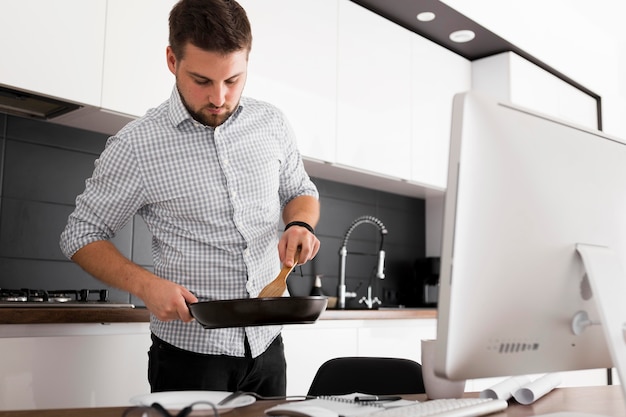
[(244, 312)]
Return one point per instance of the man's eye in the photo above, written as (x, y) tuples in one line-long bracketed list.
[(202, 82)]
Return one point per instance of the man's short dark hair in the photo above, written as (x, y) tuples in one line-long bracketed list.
[(213, 25)]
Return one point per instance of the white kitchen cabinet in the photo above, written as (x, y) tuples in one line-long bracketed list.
[(437, 74), (54, 48), (396, 338), (507, 76), (345, 77), (135, 76), (308, 346), (46, 366), (293, 66), (373, 93)]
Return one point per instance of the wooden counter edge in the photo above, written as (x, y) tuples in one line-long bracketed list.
[(42, 315), (382, 314)]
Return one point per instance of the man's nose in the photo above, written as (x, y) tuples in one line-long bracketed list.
[(217, 95)]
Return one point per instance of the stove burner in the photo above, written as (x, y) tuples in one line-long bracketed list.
[(9, 298), (53, 296)]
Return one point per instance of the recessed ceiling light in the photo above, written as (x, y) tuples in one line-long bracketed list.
[(425, 16), (461, 36)]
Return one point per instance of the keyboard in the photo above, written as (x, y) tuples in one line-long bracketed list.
[(453, 407)]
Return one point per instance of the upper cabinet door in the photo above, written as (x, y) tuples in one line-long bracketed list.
[(136, 77), (293, 65), (374, 94), (53, 48), (437, 75)]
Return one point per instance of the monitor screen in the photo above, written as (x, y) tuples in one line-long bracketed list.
[(524, 190)]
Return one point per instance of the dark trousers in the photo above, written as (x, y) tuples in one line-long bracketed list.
[(174, 369)]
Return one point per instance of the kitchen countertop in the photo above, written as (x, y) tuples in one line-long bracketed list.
[(380, 314), (42, 315)]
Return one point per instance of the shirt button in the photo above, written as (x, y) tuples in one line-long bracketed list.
[(226, 161)]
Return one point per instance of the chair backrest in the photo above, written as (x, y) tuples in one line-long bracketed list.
[(368, 375)]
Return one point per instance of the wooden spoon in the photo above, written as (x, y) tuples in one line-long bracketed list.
[(277, 287)]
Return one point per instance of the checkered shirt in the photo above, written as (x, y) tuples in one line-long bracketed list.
[(212, 199)]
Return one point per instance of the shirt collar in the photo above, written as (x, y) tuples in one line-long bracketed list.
[(178, 112)]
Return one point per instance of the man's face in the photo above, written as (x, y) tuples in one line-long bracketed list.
[(210, 84)]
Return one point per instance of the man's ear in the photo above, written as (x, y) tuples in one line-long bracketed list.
[(171, 59)]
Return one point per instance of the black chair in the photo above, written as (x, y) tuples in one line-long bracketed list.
[(368, 375)]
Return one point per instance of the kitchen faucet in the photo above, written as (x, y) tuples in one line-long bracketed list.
[(343, 253)]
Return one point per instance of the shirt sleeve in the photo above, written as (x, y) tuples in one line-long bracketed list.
[(111, 197), (294, 180)]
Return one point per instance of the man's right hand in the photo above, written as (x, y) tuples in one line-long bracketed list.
[(165, 299)]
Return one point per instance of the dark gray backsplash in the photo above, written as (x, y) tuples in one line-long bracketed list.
[(43, 167)]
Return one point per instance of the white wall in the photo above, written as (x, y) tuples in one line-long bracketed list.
[(583, 40)]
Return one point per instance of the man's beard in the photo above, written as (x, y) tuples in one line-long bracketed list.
[(207, 119)]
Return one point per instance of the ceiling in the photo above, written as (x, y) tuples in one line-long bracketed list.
[(485, 43), (403, 12)]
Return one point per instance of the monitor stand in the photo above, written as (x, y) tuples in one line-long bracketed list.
[(608, 284)]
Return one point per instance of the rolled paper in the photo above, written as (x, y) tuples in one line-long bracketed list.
[(505, 389), (531, 392)]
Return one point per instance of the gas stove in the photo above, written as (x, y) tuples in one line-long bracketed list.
[(26, 297)]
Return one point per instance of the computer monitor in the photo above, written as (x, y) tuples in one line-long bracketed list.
[(528, 194)]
